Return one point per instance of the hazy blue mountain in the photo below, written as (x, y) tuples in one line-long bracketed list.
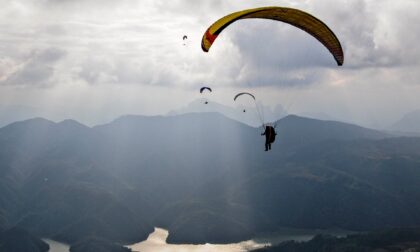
[(297, 131), (10, 200), (62, 192), (203, 176), (408, 123)]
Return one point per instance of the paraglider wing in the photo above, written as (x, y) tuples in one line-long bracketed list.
[(295, 17), (204, 88), (185, 37), (244, 93)]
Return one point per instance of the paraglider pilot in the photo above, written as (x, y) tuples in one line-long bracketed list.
[(270, 136)]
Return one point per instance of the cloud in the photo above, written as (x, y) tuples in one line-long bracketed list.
[(54, 48), (37, 70), (374, 34)]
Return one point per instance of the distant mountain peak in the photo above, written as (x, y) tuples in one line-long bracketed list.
[(233, 112), (72, 123), (410, 122), (33, 122), (37, 120)]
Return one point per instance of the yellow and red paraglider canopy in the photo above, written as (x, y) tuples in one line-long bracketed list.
[(295, 17)]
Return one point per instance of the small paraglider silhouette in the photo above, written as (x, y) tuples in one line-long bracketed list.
[(185, 37), (203, 89), (244, 93)]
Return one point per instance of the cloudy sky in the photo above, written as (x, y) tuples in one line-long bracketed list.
[(96, 60)]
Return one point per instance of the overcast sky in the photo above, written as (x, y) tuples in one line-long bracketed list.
[(95, 60)]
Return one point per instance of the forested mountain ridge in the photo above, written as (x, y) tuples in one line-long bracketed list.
[(194, 173)]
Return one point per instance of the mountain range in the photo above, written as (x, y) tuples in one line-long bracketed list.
[(204, 177)]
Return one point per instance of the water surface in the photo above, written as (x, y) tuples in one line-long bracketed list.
[(156, 241), (57, 246)]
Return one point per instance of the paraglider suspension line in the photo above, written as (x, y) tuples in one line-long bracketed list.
[(260, 114)]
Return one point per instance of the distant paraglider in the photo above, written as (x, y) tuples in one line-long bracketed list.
[(244, 93), (205, 90), (260, 116), (295, 17), (184, 39)]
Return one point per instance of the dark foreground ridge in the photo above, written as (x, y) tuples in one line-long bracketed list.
[(19, 240), (97, 244), (384, 241), (204, 177)]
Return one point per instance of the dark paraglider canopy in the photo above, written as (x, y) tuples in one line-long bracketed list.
[(205, 88), (184, 37), (295, 17), (244, 93)]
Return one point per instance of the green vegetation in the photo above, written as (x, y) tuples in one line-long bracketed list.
[(385, 241), (97, 244), (18, 240)]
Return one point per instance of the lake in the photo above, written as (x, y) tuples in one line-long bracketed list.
[(57, 246), (157, 241)]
